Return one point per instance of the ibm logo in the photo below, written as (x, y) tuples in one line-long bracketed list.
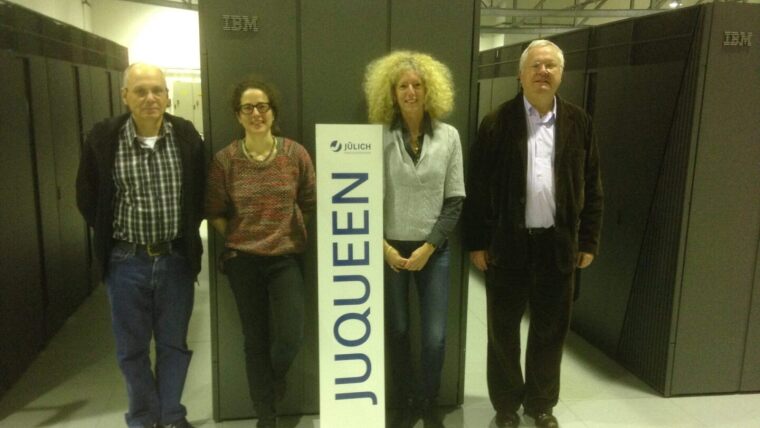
[(240, 23), (737, 38)]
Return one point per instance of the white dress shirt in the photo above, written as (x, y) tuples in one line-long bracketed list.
[(540, 204)]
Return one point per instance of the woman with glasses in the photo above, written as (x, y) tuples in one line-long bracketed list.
[(424, 190), (260, 195)]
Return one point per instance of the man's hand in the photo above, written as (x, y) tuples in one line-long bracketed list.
[(479, 259), (584, 259)]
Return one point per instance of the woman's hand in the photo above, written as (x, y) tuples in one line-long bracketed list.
[(393, 258), (419, 257)]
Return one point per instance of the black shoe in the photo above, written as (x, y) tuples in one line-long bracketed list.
[(431, 417), (182, 423), (543, 419), (266, 414), (506, 420), (406, 416), (267, 422)]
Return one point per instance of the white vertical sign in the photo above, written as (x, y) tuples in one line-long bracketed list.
[(350, 264)]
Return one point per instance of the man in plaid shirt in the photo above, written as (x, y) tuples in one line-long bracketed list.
[(140, 187)]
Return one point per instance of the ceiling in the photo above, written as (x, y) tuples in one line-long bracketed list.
[(544, 17), (509, 21)]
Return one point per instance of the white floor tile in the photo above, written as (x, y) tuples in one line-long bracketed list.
[(75, 382), (736, 410), (631, 412)]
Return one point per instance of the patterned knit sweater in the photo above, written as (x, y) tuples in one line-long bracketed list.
[(264, 202)]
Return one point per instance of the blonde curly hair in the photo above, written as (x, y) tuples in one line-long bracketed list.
[(383, 73)]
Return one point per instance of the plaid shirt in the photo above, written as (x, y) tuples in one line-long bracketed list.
[(148, 198)]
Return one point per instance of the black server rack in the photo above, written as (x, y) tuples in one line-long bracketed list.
[(56, 81), (674, 294), (316, 54)]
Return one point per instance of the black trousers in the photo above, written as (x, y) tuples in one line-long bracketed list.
[(269, 296), (548, 293)]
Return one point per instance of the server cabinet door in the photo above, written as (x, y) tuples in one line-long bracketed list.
[(316, 54), (100, 96), (751, 371), (117, 106), (65, 295), (332, 66), (504, 89), (720, 259), (453, 47), (47, 181), (21, 296), (485, 88), (227, 57)]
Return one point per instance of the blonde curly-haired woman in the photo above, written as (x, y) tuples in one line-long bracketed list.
[(423, 195)]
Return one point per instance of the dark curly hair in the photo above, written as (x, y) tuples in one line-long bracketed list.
[(256, 82)]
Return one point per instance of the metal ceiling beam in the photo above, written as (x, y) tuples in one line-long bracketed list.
[(539, 5), (185, 4), (597, 7), (576, 13), (528, 30)]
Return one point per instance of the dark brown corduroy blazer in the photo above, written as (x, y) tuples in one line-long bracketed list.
[(494, 211)]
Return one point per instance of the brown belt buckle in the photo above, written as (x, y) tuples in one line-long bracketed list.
[(158, 248)]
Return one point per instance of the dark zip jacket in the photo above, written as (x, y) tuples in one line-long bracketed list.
[(96, 188)]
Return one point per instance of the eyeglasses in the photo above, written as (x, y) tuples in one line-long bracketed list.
[(142, 92), (549, 66), (259, 107)]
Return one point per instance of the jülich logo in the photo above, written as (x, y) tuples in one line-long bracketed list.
[(350, 147)]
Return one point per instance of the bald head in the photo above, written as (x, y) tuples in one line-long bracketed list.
[(144, 92), (140, 68)]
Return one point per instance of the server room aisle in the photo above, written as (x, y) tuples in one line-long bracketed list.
[(75, 383)]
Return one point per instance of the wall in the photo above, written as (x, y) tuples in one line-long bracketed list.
[(158, 35), (163, 36)]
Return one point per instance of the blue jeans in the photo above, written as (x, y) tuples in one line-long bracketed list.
[(270, 300), (151, 297), (433, 292)]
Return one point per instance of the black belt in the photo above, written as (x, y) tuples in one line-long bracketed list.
[(153, 249), (538, 230)]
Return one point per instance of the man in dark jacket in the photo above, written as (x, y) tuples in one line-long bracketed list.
[(532, 215), (140, 187)]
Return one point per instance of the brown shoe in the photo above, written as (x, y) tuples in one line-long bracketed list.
[(543, 419), (506, 420), (182, 423)]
